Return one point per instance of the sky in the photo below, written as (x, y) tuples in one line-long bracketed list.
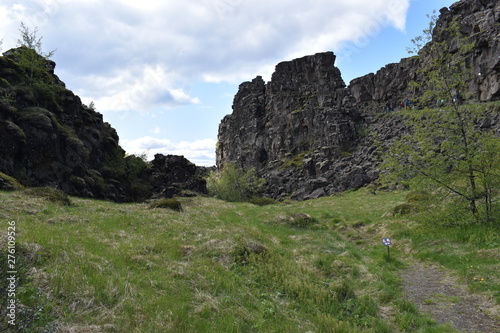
[(164, 72)]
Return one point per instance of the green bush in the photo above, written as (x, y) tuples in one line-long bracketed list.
[(245, 253), (135, 167), (8, 183), (417, 196), (235, 184), (403, 209), (172, 204), (262, 201), (136, 164), (115, 164), (51, 194)]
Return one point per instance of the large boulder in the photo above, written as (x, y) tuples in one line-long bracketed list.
[(175, 175)]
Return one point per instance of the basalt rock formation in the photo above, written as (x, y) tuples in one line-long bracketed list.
[(174, 175), (297, 130), (477, 19), (305, 99), (49, 138), (309, 135)]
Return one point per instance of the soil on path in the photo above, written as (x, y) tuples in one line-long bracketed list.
[(436, 292)]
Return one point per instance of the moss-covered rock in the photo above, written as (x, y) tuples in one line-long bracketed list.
[(8, 183), (51, 194)]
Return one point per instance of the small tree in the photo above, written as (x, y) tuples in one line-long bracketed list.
[(234, 184), (446, 150), (31, 57), (420, 41), (447, 154)]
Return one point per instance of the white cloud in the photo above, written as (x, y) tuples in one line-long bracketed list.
[(139, 88), (200, 152), (145, 54)]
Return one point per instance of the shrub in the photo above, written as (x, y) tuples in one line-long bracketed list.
[(250, 251), (172, 204), (8, 183), (235, 184), (417, 196), (135, 167), (51, 194), (261, 201), (403, 209)]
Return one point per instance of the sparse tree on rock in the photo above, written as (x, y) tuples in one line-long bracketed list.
[(447, 150), (420, 41), (31, 56)]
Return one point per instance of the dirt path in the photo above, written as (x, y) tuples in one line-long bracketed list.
[(436, 292)]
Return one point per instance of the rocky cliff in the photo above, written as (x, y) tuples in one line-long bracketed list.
[(477, 19), (309, 135), (49, 138), (306, 98), (297, 130)]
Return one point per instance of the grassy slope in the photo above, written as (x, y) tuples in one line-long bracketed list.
[(128, 268)]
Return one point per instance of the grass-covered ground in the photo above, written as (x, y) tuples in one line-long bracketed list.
[(313, 266)]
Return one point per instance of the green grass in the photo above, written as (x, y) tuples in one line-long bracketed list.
[(234, 267)]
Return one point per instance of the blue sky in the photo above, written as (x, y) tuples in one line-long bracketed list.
[(164, 72)]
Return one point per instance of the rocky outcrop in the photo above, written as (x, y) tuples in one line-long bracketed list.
[(309, 135), (175, 175), (477, 19), (305, 105), (49, 138), (296, 129), (389, 84)]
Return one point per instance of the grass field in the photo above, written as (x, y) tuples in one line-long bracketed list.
[(312, 266)]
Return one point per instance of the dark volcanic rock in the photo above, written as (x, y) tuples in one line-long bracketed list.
[(174, 175), (304, 106), (309, 135), (49, 138), (293, 128), (389, 84), (300, 96), (480, 20)]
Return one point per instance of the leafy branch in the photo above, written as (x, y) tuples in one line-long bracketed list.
[(31, 56)]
